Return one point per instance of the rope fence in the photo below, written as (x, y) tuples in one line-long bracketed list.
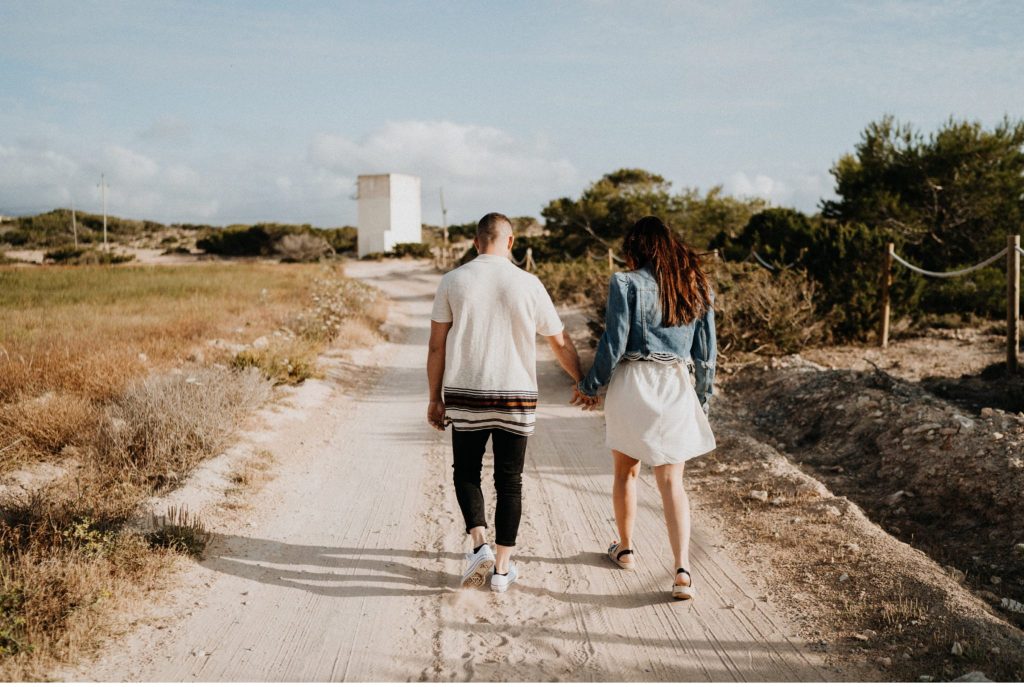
[(1012, 253), (445, 257), (767, 265), (954, 273)]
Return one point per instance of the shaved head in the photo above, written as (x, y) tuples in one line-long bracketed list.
[(493, 227)]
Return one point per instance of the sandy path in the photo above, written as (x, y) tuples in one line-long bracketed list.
[(347, 566)]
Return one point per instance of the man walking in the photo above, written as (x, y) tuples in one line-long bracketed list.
[(482, 371)]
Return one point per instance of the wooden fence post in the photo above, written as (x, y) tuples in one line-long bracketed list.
[(1012, 303), (611, 261), (883, 333)]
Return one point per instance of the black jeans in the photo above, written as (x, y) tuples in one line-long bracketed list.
[(509, 453)]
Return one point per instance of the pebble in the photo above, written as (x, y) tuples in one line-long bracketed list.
[(860, 637), (966, 424), (973, 676), (844, 577), (987, 412), (957, 649), (885, 661), (1019, 548), (925, 678), (758, 495), (778, 500), (995, 579), (997, 435)]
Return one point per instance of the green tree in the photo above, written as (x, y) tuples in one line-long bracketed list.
[(600, 216), (953, 195)]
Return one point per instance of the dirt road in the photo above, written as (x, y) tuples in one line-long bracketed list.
[(348, 565)]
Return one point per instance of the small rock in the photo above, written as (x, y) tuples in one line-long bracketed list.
[(885, 661), (958, 575), (143, 358), (926, 427), (1019, 548), (965, 424), (925, 678), (844, 577), (778, 500), (973, 676), (995, 579), (261, 343), (997, 435), (758, 495), (895, 497), (906, 655), (851, 547), (989, 596), (957, 649), (994, 650), (860, 637), (987, 412)]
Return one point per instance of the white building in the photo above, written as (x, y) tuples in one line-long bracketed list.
[(389, 212)]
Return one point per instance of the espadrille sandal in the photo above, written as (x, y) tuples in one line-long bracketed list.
[(683, 591), (615, 554)]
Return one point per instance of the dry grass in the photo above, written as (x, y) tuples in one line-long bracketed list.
[(94, 362)]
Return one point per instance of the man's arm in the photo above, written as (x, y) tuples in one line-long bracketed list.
[(566, 354), (435, 372)]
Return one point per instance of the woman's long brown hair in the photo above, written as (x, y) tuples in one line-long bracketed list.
[(682, 283)]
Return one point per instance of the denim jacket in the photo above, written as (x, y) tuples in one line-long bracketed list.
[(633, 331)]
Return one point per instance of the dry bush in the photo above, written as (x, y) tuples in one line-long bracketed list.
[(179, 531), (758, 311), (284, 361), (88, 359), (41, 427), (302, 248), (164, 425)]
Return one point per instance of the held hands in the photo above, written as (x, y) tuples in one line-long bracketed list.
[(435, 415), (585, 402)]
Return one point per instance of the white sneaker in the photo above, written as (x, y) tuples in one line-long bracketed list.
[(501, 583), (477, 566)]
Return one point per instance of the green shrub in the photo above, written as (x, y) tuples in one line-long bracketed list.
[(411, 250), (342, 239), (70, 255), (302, 248), (238, 242)]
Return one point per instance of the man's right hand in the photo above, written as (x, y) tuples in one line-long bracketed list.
[(435, 415)]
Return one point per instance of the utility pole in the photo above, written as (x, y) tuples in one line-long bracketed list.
[(444, 227), (103, 191), (74, 224)]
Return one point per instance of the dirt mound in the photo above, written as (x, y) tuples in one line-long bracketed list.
[(937, 476)]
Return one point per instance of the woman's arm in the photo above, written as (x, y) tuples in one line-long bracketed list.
[(704, 351), (612, 345)]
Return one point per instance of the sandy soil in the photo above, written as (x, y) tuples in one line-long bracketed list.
[(346, 565)]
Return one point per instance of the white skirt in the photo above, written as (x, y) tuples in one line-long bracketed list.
[(652, 413)]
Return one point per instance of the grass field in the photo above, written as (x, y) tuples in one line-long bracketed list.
[(124, 379)]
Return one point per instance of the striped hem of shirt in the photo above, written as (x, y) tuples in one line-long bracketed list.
[(472, 409)]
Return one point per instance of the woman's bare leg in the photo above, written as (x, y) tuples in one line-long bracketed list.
[(677, 514), (624, 498)]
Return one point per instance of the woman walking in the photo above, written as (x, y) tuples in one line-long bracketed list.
[(659, 315)]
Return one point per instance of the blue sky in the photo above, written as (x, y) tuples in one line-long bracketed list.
[(245, 111)]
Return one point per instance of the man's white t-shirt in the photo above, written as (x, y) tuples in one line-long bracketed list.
[(496, 311)]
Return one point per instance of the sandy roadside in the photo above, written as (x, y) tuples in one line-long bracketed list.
[(346, 566)]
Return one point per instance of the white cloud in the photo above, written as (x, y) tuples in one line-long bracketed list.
[(480, 167), (35, 178), (800, 190)]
